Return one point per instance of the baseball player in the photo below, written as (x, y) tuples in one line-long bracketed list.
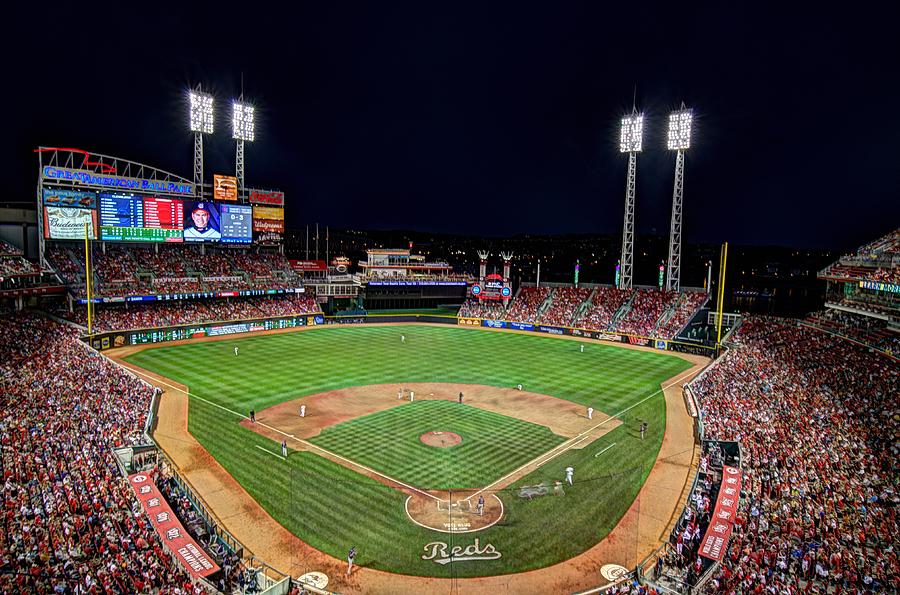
[(582, 348), (460, 397), (643, 429), (253, 416), (480, 506), (403, 338), (412, 396), (235, 351), (284, 449), (590, 413), (400, 394), (350, 557), (570, 471), (302, 410)]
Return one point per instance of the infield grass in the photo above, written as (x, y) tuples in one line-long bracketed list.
[(331, 507)]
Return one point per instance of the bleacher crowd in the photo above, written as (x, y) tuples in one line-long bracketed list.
[(70, 522), (136, 316), (819, 426)]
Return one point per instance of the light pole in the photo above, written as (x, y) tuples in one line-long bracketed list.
[(679, 140), (201, 122), (629, 142), (243, 129)]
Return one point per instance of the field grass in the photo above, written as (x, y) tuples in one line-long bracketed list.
[(388, 441), (331, 507)]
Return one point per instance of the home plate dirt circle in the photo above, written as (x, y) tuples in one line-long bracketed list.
[(455, 512), (440, 439)]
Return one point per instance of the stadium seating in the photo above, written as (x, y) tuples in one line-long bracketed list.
[(685, 309), (604, 305), (817, 420), (12, 262), (525, 307), (564, 305), (475, 308), (646, 309), (70, 521), (135, 316), (134, 270), (865, 329)]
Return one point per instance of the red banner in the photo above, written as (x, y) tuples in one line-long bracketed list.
[(716, 539), (170, 530), (266, 197)]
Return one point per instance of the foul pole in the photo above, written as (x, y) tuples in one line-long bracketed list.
[(723, 262), (87, 276)]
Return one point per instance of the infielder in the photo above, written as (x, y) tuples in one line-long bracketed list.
[(590, 413), (350, 556), (460, 397), (253, 416), (284, 449), (400, 394), (235, 351), (302, 410), (412, 396), (570, 471)]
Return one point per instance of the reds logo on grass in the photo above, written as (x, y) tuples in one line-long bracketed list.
[(437, 551)]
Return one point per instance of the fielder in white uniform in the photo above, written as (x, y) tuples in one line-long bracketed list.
[(590, 413), (570, 471), (235, 351), (302, 410)]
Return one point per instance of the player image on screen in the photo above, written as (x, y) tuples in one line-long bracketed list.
[(202, 222)]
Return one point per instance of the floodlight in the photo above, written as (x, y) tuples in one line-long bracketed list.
[(242, 122), (201, 113), (680, 129), (632, 133)]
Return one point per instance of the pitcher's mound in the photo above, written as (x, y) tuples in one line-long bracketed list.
[(440, 439)]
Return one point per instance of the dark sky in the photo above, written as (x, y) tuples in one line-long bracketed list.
[(489, 119)]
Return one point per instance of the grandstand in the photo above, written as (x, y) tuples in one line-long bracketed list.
[(862, 298)]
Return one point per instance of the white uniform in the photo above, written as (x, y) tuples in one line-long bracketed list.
[(403, 338), (590, 413), (582, 349), (235, 350), (284, 449), (399, 394), (412, 396), (570, 471), (302, 410)]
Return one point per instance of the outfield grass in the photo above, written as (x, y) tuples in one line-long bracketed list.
[(388, 441), (331, 507)]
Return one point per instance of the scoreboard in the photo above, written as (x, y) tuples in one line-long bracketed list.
[(236, 223), (125, 217)]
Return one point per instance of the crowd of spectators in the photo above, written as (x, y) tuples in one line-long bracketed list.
[(70, 522), (475, 308), (111, 317), (818, 422), (685, 309), (566, 301), (13, 263), (865, 329), (604, 305), (646, 309), (172, 268), (525, 306)]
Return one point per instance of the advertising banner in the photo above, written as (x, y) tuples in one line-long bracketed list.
[(66, 223), (171, 532), (880, 286), (638, 340), (661, 344), (521, 326), (552, 330), (469, 321), (89, 178), (307, 266), (273, 198), (70, 198), (494, 323), (227, 329), (225, 187), (270, 213), (267, 225), (716, 539)]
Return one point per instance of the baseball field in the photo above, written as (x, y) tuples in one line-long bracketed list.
[(366, 458)]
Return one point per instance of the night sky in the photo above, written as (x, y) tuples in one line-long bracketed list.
[(489, 120)]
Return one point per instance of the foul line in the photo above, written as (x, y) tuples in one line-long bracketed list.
[(310, 445), (571, 442), (270, 452), (604, 450)]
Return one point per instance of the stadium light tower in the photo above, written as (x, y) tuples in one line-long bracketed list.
[(679, 140), (243, 130), (201, 121), (629, 142)]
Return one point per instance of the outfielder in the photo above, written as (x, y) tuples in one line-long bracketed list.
[(403, 338), (582, 348), (235, 351)]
